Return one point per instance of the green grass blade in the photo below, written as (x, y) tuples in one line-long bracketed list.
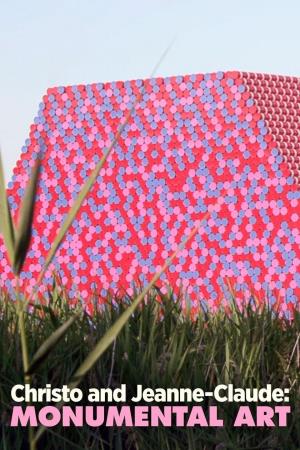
[(113, 332), (81, 197), (6, 222), (23, 233), (71, 215), (49, 345), (116, 328), (91, 180)]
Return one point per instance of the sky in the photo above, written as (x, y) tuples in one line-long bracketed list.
[(62, 42)]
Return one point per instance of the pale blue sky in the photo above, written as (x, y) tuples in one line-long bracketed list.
[(59, 42)]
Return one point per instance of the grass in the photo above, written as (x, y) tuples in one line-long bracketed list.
[(248, 349), (55, 343), (17, 234)]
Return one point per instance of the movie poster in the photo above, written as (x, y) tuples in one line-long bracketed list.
[(149, 225)]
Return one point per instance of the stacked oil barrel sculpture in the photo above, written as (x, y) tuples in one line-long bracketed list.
[(227, 143)]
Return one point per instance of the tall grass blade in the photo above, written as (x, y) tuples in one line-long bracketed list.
[(116, 328), (91, 180), (113, 332), (79, 200), (49, 345), (6, 222), (23, 232), (72, 214)]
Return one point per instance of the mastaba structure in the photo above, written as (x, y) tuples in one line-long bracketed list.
[(227, 143)]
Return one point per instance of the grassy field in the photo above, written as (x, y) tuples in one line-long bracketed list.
[(144, 340), (249, 349)]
